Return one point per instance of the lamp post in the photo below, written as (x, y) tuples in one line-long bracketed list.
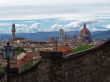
[(8, 54)]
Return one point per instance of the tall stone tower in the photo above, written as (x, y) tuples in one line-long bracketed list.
[(62, 35), (13, 32)]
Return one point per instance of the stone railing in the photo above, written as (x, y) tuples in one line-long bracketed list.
[(92, 65)]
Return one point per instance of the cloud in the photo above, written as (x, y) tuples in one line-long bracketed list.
[(34, 28), (49, 2), (35, 9), (76, 25), (107, 26), (5, 24), (55, 27), (72, 26), (88, 21), (20, 28), (21, 25), (29, 29)]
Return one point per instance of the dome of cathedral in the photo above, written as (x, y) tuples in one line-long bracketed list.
[(84, 32)]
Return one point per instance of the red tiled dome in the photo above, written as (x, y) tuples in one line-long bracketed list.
[(84, 32)]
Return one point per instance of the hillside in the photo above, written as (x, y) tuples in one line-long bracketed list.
[(43, 36), (103, 35)]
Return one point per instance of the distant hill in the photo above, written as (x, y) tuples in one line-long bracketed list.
[(102, 35), (43, 36)]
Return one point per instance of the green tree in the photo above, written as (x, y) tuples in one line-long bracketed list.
[(82, 47), (19, 49)]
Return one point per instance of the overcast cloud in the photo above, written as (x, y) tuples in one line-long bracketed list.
[(38, 9)]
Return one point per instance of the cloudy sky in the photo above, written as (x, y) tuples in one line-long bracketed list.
[(71, 13), (36, 9)]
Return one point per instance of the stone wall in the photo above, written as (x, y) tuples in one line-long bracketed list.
[(92, 65), (89, 66), (27, 76)]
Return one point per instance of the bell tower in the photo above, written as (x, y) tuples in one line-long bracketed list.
[(13, 30), (62, 35)]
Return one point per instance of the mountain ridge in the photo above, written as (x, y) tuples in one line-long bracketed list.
[(43, 36)]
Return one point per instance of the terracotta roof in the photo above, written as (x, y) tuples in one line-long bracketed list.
[(64, 49)]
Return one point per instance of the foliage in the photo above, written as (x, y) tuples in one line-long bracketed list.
[(0, 49), (19, 49), (81, 47), (26, 66), (2, 71)]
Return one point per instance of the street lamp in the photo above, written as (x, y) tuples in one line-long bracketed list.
[(8, 54)]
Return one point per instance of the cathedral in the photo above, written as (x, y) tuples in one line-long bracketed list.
[(85, 35)]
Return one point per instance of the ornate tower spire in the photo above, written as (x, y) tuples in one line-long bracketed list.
[(13, 32)]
